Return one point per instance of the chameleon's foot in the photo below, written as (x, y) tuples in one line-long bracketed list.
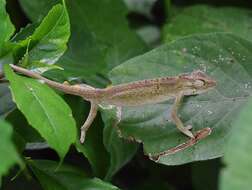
[(187, 133), (88, 122), (82, 136), (175, 118), (188, 127)]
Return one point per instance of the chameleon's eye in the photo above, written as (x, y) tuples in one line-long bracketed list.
[(199, 83)]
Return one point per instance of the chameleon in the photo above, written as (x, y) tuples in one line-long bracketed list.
[(137, 93)]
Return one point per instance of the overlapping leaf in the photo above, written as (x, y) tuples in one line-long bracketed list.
[(48, 41), (44, 46), (44, 110), (95, 45), (224, 57)]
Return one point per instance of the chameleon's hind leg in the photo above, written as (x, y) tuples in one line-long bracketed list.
[(176, 119), (88, 122)]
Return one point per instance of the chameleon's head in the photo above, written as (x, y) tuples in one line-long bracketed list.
[(197, 82)]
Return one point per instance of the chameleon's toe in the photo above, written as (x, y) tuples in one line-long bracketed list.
[(82, 136)]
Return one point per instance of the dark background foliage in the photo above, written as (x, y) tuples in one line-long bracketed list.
[(140, 172)]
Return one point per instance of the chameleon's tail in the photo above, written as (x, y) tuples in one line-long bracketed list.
[(68, 89)]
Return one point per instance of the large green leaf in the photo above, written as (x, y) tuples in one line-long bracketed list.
[(6, 27), (65, 178), (44, 110), (95, 46), (9, 155), (48, 42), (224, 57), (206, 19), (237, 159)]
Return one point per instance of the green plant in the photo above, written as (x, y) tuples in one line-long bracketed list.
[(92, 42)]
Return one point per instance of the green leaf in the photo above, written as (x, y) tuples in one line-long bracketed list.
[(237, 159), (120, 150), (224, 57), (6, 27), (95, 47), (44, 110), (206, 19), (66, 177), (8, 151), (48, 42)]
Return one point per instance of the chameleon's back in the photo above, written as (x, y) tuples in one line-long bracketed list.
[(157, 90), (142, 92)]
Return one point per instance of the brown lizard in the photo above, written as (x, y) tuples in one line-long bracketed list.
[(136, 93)]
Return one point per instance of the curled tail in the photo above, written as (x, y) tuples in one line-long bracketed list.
[(78, 90)]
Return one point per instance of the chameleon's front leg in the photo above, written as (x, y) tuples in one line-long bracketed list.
[(176, 119), (88, 122)]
